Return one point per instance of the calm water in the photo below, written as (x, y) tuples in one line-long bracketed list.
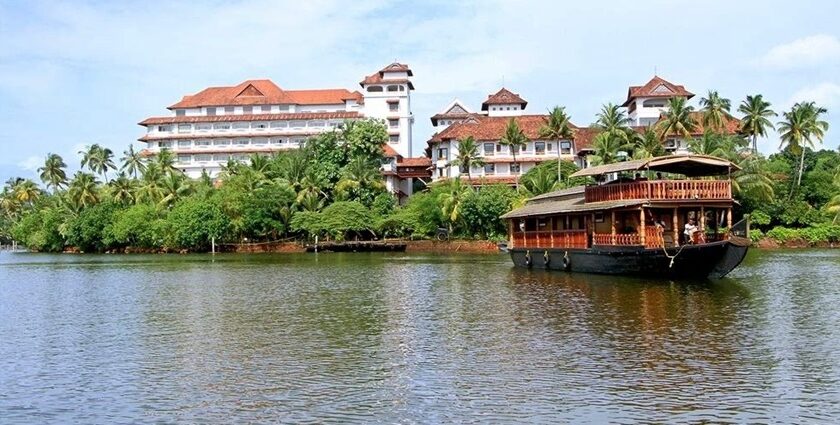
[(412, 338)]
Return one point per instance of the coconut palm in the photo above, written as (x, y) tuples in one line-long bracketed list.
[(607, 147), (132, 162), (52, 173), (123, 189), (451, 201), (84, 190), (468, 156), (166, 161), (753, 178), (833, 206), (151, 184), (677, 120), (540, 180), (515, 139), (558, 127), (612, 120), (174, 186), (98, 159), (259, 163), (800, 126), (647, 145), (359, 178), (715, 110), (756, 118), (310, 201), (26, 191)]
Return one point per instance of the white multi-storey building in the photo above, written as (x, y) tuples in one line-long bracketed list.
[(217, 124), (646, 103)]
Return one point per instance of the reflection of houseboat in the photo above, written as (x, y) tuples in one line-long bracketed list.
[(636, 226)]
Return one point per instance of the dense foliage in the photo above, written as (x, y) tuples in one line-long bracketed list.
[(332, 187)]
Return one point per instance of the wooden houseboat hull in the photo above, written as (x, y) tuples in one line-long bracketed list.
[(711, 260)]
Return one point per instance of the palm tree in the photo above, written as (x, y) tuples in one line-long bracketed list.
[(259, 163), (515, 139), (52, 173), (98, 159), (613, 121), (540, 180), (756, 119), (132, 162), (677, 120), (708, 144), (753, 178), (558, 127), (151, 186), (451, 201), (468, 156), (166, 161), (800, 124), (648, 145), (84, 189), (607, 147), (26, 191), (175, 186), (123, 189), (715, 110), (358, 177)]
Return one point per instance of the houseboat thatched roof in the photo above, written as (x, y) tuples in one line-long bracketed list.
[(688, 165)]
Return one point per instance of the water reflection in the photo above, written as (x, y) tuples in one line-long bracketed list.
[(408, 338)]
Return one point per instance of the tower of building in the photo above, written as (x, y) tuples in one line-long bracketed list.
[(646, 103), (387, 95)]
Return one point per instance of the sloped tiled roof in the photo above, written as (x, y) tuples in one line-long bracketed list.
[(251, 117), (656, 87), (264, 92), (378, 77), (501, 97), (492, 128), (415, 162)]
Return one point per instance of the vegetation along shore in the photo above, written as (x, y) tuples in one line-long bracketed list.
[(332, 188)]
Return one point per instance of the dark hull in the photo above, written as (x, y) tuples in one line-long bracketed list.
[(371, 246), (711, 260)]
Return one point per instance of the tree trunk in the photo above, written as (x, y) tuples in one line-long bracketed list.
[(801, 167), (516, 180)]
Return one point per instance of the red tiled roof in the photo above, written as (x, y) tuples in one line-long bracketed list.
[(731, 125), (389, 151), (584, 137), (264, 92), (251, 117), (652, 89), (231, 135), (415, 162), (492, 128), (379, 76), (503, 96), (397, 67)]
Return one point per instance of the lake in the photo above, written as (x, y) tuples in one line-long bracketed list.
[(412, 338)]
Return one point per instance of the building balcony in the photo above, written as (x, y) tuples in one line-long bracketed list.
[(661, 190)]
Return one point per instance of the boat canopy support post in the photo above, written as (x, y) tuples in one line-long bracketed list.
[(642, 225), (612, 227), (676, 229)]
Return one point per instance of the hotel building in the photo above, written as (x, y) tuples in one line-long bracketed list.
[(645, 105), (206, 129)]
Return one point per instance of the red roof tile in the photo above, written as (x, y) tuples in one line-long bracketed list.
[(251, 117), (379, 76), (230, 135), (491, 128), (389, 151), (503, 96), (263, 92), (415, 162), (656, 87)]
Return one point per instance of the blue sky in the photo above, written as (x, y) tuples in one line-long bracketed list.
[(76, 73)]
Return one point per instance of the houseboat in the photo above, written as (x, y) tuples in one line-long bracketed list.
[(668, 216)]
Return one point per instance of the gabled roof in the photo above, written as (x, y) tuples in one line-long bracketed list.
[(264, 92), (688, 165), (455, 110), (503, 97), (492, 128), (378, 77), (252, 117), (731, 125), (656, 87)]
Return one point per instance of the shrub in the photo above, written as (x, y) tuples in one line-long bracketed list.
[(759, 218), (138, 226), (783, 234), (194, 222), (822, 233), (90, 231), (756, 235)]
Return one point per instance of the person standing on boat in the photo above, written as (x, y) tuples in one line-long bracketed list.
[(690, 230)]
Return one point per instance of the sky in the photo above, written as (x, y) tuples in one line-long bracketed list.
[(73, 73)]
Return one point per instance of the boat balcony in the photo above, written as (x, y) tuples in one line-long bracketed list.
[(665, 190), (551, 239)]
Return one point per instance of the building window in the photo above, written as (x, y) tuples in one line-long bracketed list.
[(443, 153), (266, 109), (184, 143), (297, 124), (248, 109), (299, 142), (539, 148), (279, 124), (221, 157), (203, 126), (260, 125), (393, 88), (515, 168), (184, 128), (164, 128), (202, 143), (394, 138), (394, 106), (514, 149), (229, 110), (211, 111), (203, 158), (489, 149), (489, 169), (180, 112), (373, 89), (184, 158), (241, 125), (221, 126), (277, 141), (566, 148), (283, 108), (259, 141), (165, 144), (393, 123), (317, 123), (221, 142)]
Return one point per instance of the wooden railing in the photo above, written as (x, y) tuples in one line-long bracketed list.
[(654, 237), (660, 190), (620, 239), (550, 239)]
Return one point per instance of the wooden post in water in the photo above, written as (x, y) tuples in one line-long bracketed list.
[(676, 229), (642, 225), (612, 226)]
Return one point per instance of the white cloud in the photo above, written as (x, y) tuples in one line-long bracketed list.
[(31, 163), (825, 94), (805, 52)]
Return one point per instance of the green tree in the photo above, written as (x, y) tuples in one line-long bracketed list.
[(613, 122), (132, 162), (451, 199), (515, 139), (800, 125), (607, 148), (468, 156), (677, 120), (195, 222), (52, 173), (558, 127), (26, 191), (715, 110), (360, 181), (123, 189), (756, 118), (343, 217), (481, 210), (648, 145), (98, 159), (84, 189)]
